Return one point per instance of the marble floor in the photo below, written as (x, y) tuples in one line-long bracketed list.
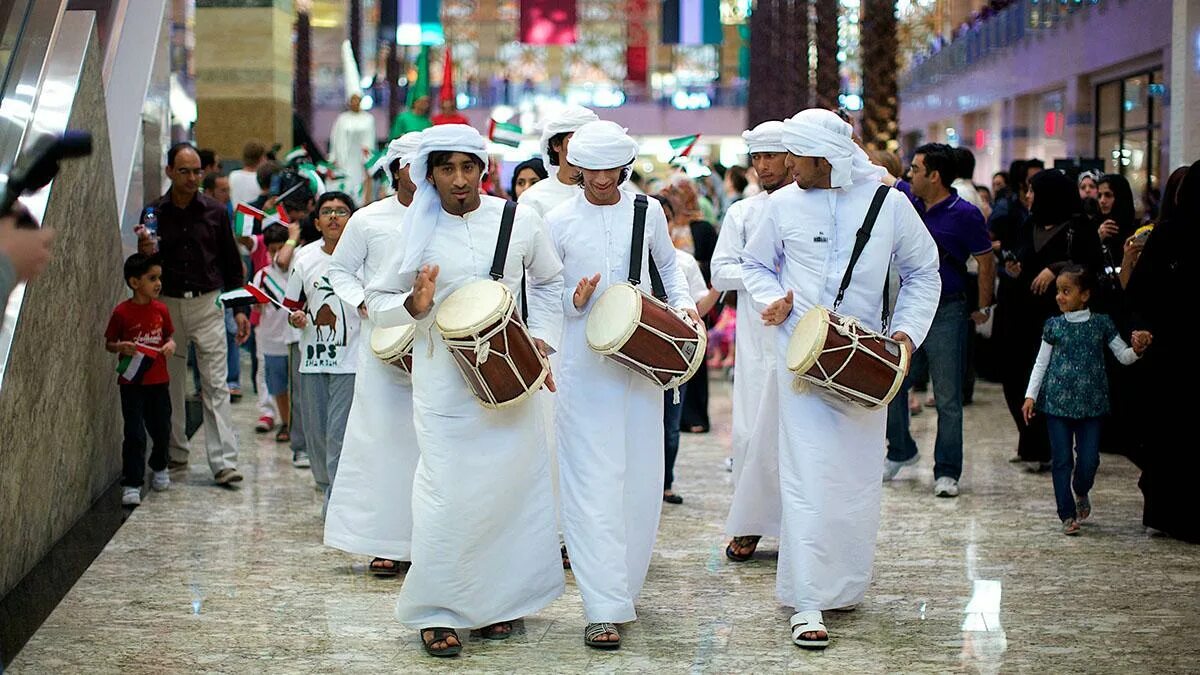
[(206, 579)]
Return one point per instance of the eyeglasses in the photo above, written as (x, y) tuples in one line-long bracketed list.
[(337, 213)]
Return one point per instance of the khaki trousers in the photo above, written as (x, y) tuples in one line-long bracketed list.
[(201, 322)]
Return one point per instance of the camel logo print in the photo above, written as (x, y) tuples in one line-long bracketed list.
[(328, 320)]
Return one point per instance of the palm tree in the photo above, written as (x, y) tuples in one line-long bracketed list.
[(828, 83), (779, 78), (880, 101)]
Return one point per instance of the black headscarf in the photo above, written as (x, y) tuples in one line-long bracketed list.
[(534, 163), (1170, 194), (1123, 209), (1055, 198)]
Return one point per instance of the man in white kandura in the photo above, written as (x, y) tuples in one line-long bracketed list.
[(484, 547), (370, 510), (829, 452), (556, 139), (609, 420), (754, 512), (351, 141)]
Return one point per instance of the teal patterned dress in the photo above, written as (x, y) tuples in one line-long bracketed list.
[(1076, 385)]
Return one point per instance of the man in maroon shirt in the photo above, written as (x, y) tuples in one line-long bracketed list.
[(200, 259)]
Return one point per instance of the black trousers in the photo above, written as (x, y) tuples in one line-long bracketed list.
[(145, 407)]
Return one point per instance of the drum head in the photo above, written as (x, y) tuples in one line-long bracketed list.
[(613, 318), (473, 307), (808, 340), (388, 342)]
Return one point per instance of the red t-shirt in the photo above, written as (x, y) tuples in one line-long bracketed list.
[(146, 324)]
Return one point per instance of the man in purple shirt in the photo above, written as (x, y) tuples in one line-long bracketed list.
[(961, 233)]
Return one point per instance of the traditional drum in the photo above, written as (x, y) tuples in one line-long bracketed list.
[(846, 359), (492, 348), (646, 336), (393, 346)]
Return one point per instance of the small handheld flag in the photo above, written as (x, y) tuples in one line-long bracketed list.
[(504, 133), (246, 295), (683, 145), (374, 163), (247, 220), (132, 368)]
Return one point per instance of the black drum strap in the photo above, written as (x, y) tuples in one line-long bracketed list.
[(860, 242), (635, 251), (506, 226)]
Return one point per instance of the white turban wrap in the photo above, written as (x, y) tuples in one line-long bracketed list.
[(821, 133), (416, 229), (766, 137), (567, 121), (398, 149), (601, 145)]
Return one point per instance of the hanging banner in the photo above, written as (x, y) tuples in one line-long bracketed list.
[(637, 42), (548, 22), (419, 22), (691, 22)]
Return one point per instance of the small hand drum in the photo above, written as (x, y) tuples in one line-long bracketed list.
[(394, 346), (646, 336), (845, 359), (492, 348)]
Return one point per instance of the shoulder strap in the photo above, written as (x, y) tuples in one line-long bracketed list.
[(860, 241), (506, 225), (656, 283), (638, 241)]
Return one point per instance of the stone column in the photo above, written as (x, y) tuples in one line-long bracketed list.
[(1184, 136), (243, 73)]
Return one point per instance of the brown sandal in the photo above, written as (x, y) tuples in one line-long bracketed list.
[(750, 542)]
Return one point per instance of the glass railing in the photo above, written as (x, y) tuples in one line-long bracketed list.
[(987, 37)]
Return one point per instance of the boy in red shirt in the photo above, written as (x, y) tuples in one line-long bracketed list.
[(140, 331)]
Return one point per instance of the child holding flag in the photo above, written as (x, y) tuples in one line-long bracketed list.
[(140, 331)]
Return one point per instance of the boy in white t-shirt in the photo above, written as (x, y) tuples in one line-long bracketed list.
[(328, 341), (273, 332)]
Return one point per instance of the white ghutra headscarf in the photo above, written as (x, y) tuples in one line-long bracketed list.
[(601, 145), (821, 133), (766, 137), (416, 229), (567, 121)]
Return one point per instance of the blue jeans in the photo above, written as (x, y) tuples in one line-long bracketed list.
[(233, 354), (672, 413), (944, 350), (1068, 438)]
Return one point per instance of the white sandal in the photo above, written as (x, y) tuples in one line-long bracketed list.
[(809, 622)]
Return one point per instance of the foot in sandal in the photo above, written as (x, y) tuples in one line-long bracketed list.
[(441, 641), (808, 631), (741, 549), (601, 636), (384, 567), (1083, 507), (497, 631), (1070, 527)]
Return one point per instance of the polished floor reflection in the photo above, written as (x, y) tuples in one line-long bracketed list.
[(206, 579)]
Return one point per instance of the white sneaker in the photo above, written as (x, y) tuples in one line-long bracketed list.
[(892, 467), (300, 459), (160, 480), (729, 464), (131, 496), (945, 487)]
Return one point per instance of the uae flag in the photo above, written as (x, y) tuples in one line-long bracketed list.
[(691, 22), (682, 146), (374, 163), (504, 133), (246, 295), (247, 220), (548, 22), (273, 289), (132, 368), (295, 154)]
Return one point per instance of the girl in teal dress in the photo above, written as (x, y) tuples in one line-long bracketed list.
[(1069, 386)]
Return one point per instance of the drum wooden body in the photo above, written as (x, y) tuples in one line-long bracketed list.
[(646, 336), (492, 348), (845, 359), (393, 346)]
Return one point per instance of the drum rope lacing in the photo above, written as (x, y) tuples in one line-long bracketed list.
[(480, 346), (848, 327)]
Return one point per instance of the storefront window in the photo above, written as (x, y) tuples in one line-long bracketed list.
[(1129, 129)]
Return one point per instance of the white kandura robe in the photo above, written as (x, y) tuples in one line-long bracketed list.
[(609, 420), (830, 453), (370, 510), (485, 548), (351, 141), (755, 508)]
